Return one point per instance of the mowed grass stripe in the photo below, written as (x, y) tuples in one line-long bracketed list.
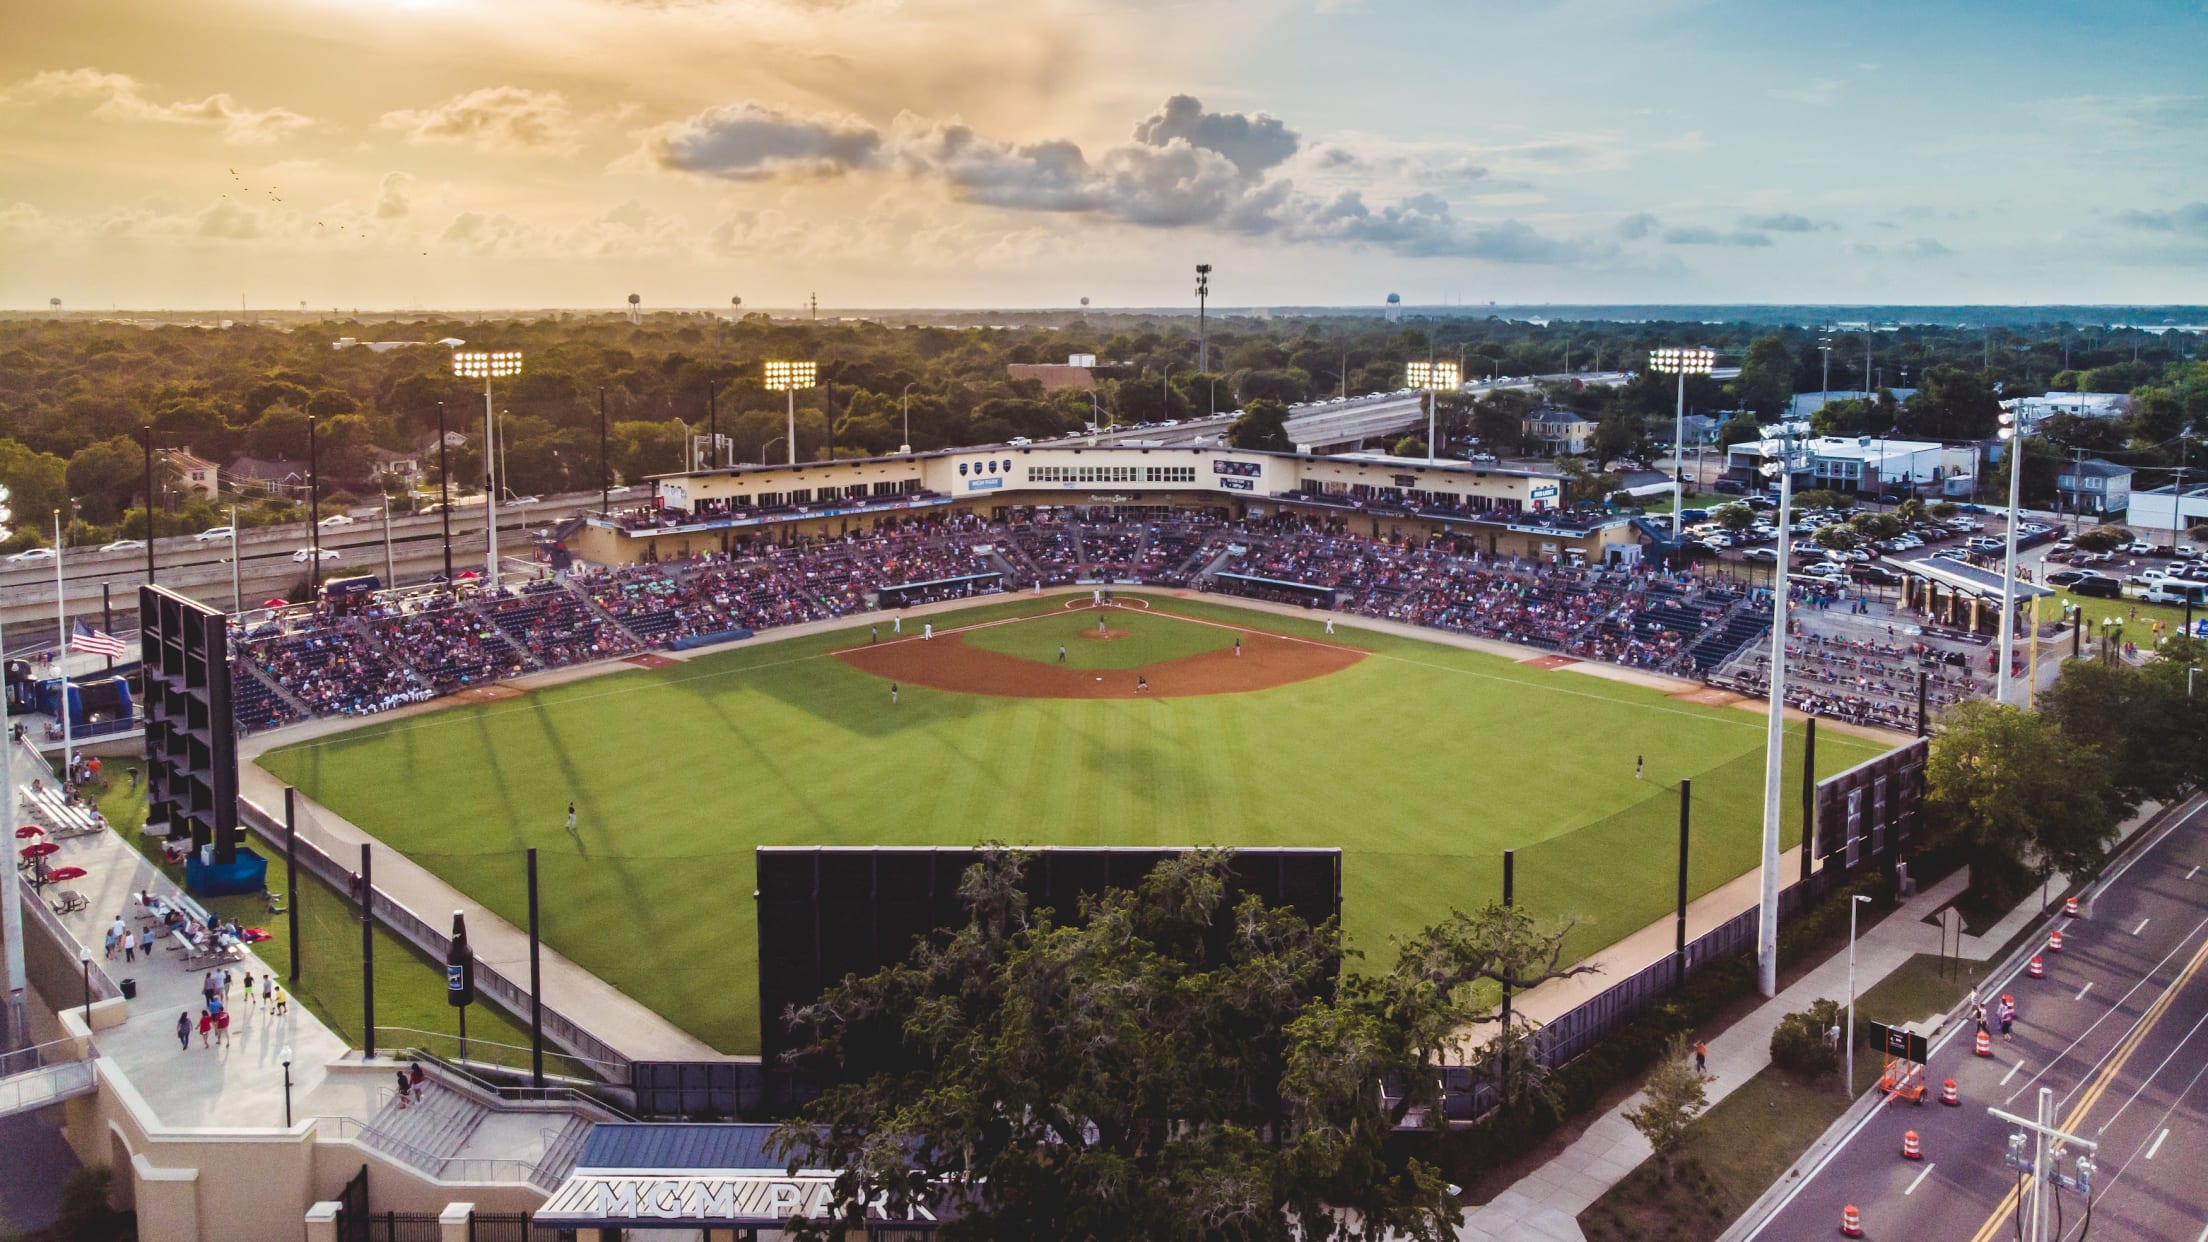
[(1422, 763)]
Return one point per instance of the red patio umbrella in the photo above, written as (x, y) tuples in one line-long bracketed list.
[(67, 873), (275, 603), (29, 830), (40, 849)]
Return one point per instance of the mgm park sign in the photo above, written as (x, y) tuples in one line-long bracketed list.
[(740, 1200)]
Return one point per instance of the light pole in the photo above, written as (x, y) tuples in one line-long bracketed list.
[(787, 376), (285, 1057), (487, 365), (1683, 361), (11, 905), (390, 566), (1203, 293), (444, 497), (237, 580), (84, 957), (1848, 1083), (1774, 742), (1430, 376), (2012, 436), (1824, 346), (314, 511), (906, 401)]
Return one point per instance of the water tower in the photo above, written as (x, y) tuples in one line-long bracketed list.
[(636, 315), (1395, 306), (735, 310), (54, 305)]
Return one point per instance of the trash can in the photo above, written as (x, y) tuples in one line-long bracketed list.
[(130, 989)]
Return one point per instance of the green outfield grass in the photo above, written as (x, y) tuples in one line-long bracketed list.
[(1150, 639), (1423, 763)]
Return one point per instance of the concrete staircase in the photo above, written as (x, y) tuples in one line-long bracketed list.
[(560, 1154), (428, 1133)]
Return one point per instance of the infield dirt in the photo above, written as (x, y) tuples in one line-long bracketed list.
[(947, 663)]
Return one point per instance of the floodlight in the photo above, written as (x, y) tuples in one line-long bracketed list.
[(1431, 374), (486, 364), (1683, 360), (788, 376)]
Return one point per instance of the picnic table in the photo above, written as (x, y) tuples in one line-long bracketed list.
[(68, 901)]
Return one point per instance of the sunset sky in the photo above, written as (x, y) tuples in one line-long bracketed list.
[(501, 153)]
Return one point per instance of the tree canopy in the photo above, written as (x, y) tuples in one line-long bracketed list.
[(1160, 1066), (2025, 797)]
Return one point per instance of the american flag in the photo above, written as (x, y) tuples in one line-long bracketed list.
[(83, 637)]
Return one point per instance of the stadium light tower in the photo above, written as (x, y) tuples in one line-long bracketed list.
[(789, 377), (1682, 361), (1203, 292), (2012, 437), (1774, 742), (1431, 376), (487, 365)]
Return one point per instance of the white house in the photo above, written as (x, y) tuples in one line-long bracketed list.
[(1863, 464)]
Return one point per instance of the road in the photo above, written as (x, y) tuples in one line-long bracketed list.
[(2115, 1029), (202, 570)]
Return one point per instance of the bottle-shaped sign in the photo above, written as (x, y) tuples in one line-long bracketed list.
[(459, 966)]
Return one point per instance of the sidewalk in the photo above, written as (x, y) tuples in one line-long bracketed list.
[(1546, 1203)]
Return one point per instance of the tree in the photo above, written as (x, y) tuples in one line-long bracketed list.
[(1738, 430), (2022, 796), (1619, 436), (1835, 536), (1953, 405), (1671, 1098), (103, 478), (1263, 425), (1410, 446), (1766, 383), (37, 483), (2105, 538), (1161, 1066), (279, 434), (1735, 517)]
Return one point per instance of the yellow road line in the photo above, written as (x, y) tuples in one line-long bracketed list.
[(2101, 1081)]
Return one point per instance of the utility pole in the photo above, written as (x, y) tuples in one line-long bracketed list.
[(1203, 294), (2047, 1175), (812, 302)]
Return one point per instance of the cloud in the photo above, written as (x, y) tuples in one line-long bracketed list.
[(751, 141), (1698, 235), (228, 221), (120, 97), (1923, 248), (1637, 226), (391, 196), (1820, 92), (481, 233), (493, 118), (1251, 143), (2192, 218), (1782, 222)]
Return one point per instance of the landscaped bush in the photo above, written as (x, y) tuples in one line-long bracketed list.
[(1799, 1047)]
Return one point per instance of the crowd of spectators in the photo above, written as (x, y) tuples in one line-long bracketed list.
[(1639, 616)]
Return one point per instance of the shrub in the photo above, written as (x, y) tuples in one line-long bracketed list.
[(1799, 1046)]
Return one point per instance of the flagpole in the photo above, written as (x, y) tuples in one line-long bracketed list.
[(61, 617), (11, 917)]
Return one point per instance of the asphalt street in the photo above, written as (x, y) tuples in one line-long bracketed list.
[(2118, 1029)]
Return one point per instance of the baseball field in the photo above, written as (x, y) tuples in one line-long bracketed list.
[(1044, 720)]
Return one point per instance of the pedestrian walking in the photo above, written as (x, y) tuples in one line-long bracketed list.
[(111, 944), (130, 946), (184, 1032), (226, 983), (206, 1027), (249, 987), (145, 942), (416, 1081), (222, 1028), (207, 986), (283, 1002), (403, 1095), (571, 817), (268, 986), (1978, 1015), (2008, 1016), (1701, 1057), (893, 694)]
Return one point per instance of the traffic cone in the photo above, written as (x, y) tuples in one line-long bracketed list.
[(2038, 971), (1851, 1222), (2054, 941), (1948, 1095), (1985, 1044), (2070, 908), (1909, 1148)]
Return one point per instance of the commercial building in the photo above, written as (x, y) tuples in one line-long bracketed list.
[(2031, 411), (1867, 464), (2166, 514)]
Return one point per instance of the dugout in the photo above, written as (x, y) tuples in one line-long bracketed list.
[(1279, 590)]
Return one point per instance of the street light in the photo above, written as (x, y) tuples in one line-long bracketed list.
[(1774, 743), (487, 365), (786, 376), (1849, 1081), (2012, 437), (906, 400), (1431, 376), (84, 956), (1682, 361), (1203, 292), (285, 1057)]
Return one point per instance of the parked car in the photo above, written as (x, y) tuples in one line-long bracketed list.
[(213, 534), (1877, 574), (1762, 556), (124, 545), (2069, 577), (2099, 585), (303, 555)]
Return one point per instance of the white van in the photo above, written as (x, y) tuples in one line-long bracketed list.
[(2177, 591)]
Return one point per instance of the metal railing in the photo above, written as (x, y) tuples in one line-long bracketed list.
[(571, 1094), (475, 1169), (43, 1074)]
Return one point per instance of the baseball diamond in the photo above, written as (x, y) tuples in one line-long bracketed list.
[(1422, 760)]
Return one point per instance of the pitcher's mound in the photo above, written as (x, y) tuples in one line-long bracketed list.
[(1103, 636)]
